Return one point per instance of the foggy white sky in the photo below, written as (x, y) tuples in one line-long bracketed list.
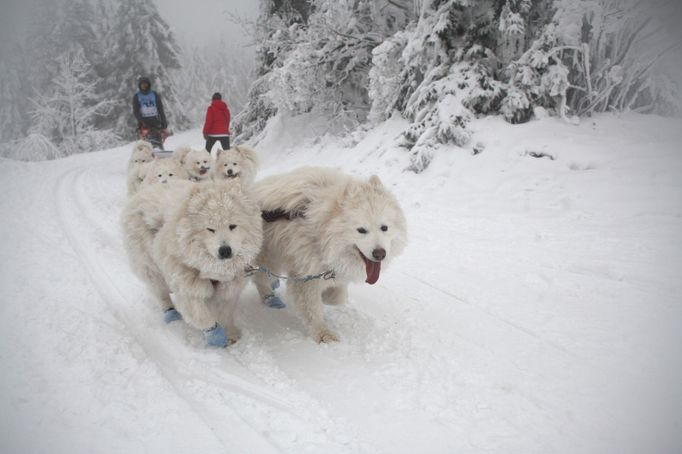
[(203, 21)]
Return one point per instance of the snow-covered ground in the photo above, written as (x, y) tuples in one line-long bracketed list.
[(537, 309)]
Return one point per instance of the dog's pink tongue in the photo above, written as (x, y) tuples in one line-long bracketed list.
[(372, 269)]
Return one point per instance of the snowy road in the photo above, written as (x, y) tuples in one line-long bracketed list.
[(536, 310)]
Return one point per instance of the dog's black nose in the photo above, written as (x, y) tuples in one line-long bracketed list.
[(229, 171), (379, 254), (225, 252)]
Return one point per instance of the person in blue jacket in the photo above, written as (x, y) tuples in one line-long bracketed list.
[(149, 113)]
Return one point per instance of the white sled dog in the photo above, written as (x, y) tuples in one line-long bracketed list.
[(194, 240), (164, 170), (319, 220), (137, 164), (197, 163), (239, 162)]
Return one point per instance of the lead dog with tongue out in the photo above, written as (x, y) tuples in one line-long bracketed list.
[(317, 220)]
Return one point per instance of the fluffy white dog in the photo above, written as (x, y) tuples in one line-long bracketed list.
[(163, 170), (137, 164), (194, 241), (319, 220), (240, 162), (197, 163)]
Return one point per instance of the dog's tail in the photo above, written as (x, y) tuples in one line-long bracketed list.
[(249, 154), (181, 153), (292, 192)]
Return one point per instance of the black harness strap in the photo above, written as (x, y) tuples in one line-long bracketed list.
[(276, 215)]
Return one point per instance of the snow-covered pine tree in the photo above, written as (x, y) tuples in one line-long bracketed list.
[(318, 59), (32, 61), (66, 115), (14, 116), (446, 73), (595, 56), (26, 65), (279, 27), (80, 26), (140, 44), (33, 147)]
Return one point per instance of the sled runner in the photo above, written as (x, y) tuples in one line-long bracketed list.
[(162, 153)]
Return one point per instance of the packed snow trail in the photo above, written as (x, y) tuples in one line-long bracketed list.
[(81, 221), (534, 311)]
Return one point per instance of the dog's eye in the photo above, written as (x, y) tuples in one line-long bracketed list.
[(160, 175), (198, 162), (362, 230), (170, 174), (210, 230), (225, 165), (384, 228), (234, 163), (232, 226)]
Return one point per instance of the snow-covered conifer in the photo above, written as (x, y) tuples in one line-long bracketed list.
[(67, 113)]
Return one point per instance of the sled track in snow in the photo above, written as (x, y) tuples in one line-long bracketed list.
[(113, 297), (79, 219), (85, 208)]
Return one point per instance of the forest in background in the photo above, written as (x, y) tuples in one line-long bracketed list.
[(437, 63), (68, 78)]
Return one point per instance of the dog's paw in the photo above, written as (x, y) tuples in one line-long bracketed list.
[(171, 315), (215, 337), (326, 336), (234, 334), (274, 285), (274, 302)]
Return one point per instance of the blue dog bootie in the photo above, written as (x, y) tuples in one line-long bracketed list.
[(274, 301), (215, 337), (171, 315)]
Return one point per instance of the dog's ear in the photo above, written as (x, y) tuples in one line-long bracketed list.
[(181, 153), (375, 182), (251, 155), (351, 190), (218, 151)]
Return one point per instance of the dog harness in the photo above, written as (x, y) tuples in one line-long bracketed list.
[(326, 275), (279, 213)]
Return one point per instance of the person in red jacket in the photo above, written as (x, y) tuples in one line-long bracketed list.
[(217, 124)]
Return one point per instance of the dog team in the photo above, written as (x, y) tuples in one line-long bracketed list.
[(197, 229)]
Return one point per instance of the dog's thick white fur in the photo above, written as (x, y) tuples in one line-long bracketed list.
[(333, 222), (137, 164), (197, 163), (240, 162), (163, 170), (175, 236)]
